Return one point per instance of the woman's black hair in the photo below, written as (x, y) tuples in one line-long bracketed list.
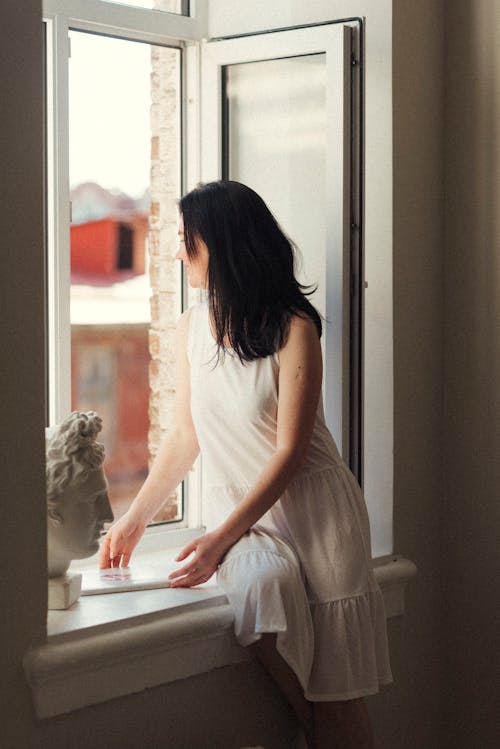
[(252, 289)]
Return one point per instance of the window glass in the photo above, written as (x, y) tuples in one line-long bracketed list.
[(110, 101), (275, 140), (276, 131)]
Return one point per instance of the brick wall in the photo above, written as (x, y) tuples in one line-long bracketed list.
[(163, 268)]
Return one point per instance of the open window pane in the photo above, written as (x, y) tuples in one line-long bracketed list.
[(285, 86), (113, 157)]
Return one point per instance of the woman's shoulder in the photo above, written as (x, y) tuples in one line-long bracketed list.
[(193, 312), (302, 339), (301, 327), (188, 323)]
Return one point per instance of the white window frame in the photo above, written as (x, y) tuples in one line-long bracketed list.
[(159, 27), (129, 23)]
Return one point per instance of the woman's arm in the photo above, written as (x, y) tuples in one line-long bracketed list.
[(175, 456), (299, 388)]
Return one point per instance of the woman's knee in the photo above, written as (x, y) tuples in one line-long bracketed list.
[(262, 573)]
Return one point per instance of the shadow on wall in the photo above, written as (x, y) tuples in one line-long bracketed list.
[(472, 371)]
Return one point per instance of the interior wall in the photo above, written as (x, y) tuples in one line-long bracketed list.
[(228, 708), (472, 373), (409, 714), (22, 502)]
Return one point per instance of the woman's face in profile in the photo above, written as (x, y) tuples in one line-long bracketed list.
[(197, 267), (84, 509)]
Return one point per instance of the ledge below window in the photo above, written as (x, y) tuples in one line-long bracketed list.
[(111, 645)]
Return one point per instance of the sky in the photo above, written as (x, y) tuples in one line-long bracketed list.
[(109, 104)]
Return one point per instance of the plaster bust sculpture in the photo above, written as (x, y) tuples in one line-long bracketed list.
[(77, 496)]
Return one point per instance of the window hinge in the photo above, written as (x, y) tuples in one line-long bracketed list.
[(354, 60), (70, 212)]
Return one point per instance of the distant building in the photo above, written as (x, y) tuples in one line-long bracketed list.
[(107, 248), (110, 319)]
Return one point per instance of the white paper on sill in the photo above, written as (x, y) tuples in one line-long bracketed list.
[(121, 580)]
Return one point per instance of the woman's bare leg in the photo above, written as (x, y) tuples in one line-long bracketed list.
[(327, 725), (266, 652), (342, 725)]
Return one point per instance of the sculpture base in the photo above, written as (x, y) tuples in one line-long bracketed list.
[(64, 591)]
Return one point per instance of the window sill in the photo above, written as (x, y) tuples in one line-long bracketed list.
[(115, 644)]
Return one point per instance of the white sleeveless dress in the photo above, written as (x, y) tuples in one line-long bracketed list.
[(304, 570)]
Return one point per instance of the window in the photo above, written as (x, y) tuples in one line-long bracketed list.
[(114, 142), (291, 99), (278, 91), (351, 244)]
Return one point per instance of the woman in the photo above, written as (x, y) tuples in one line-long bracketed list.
[(287, 528)]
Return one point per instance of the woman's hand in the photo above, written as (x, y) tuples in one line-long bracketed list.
[(208, 552), (120, 541)]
